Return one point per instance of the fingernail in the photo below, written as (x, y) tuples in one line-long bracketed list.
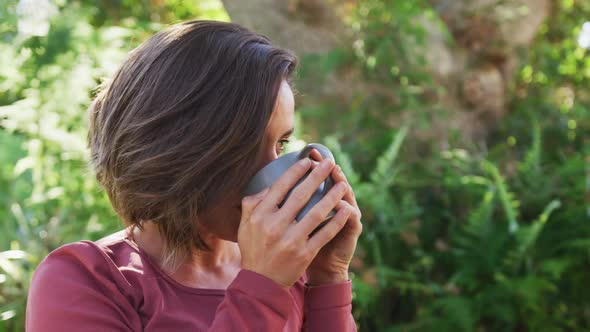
[(341, 187), (303, 162)]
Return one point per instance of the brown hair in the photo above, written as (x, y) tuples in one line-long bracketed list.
[(181, 122)]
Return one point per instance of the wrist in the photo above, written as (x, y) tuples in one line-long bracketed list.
[(280, 283), (317, 279)]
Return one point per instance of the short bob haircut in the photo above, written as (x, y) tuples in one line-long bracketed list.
[(181, 124)]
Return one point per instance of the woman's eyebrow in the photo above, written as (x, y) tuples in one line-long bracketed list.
[(288, 132)]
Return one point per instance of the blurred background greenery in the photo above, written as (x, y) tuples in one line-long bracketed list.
[(464, 127)]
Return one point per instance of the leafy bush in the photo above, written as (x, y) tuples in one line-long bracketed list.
[(48, 196), (486, 238), (492, 237), (459, 252)]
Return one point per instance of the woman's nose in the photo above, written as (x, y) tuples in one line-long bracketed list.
[(267, 159)]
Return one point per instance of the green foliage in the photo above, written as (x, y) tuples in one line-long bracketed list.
[(494, 238), (465, 257), (485, 239), (48, 196)]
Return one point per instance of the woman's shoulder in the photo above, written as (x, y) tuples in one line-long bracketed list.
[(109, 262), (113, 251), (81, 278)]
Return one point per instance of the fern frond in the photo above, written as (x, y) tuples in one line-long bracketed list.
[(532, 161), (529, 235), (382, 174), (526, 237), (476, 230), (343, 159), (507, 200), (484, 210)]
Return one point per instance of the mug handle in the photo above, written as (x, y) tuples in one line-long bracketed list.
[(326, 154)]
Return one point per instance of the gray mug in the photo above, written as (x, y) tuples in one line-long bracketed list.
[(272, 171)]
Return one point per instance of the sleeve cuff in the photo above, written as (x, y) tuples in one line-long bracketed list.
[(328, 296), (264, 290)]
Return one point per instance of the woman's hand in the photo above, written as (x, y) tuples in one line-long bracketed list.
[(272, 243), (332, 262)]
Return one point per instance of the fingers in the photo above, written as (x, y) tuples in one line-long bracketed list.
[(320, 211), (338, 175), (281, 187), (316, 155), (331, 229), (302, 193), (249, 203), (356, 215)]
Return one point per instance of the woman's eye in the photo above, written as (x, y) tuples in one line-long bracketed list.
[(281, 145)]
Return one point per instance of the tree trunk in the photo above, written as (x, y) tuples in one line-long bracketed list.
[(303, 26), (477, 71)]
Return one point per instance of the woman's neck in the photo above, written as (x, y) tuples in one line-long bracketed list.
[(222, 252)]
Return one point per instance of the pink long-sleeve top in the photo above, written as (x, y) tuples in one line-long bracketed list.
[(112, 285)]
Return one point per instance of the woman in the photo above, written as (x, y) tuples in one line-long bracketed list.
[(186, 121)]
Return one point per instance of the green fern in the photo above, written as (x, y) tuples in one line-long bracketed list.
[(530, 236), (509, 203), (343, 160), (476, 229), (484, 210), (453, 313), (531, 164), (383, 173)]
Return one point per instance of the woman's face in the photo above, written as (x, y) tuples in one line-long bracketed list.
[(223, 219)]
